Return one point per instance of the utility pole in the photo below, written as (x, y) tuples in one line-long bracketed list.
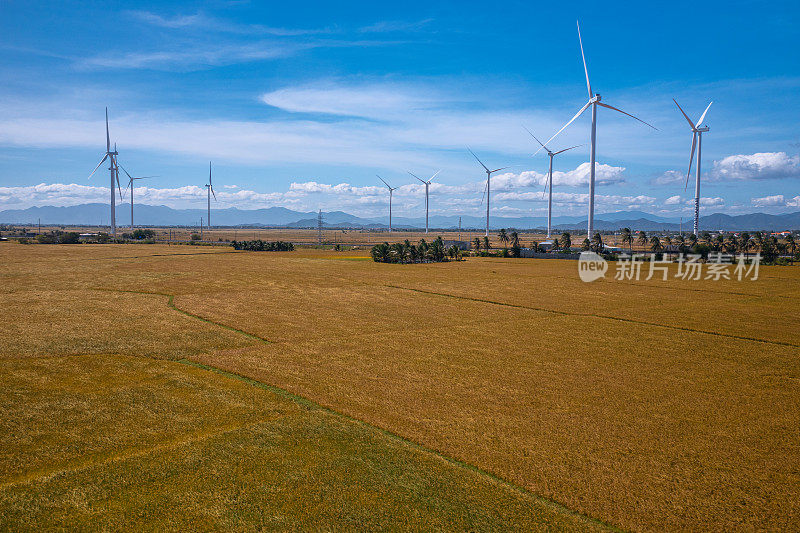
[(40, 227), (201, 228), (319, 228), (459, 228)]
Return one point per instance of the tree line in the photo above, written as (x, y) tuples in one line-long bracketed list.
[(263, 246), (423, 252)]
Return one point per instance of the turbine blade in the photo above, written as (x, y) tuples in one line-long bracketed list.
[(209, 172), (537, 140), (98, 166), (703, 116), (498, 170), (583, 56), (119, 187), (476, 159), (484, 191), (126, 172), (212, 193), (437, 173), (624, 113), (565, 149), (384, 181), (691, 160), (579, 113), (108, 136), (684, 114), (420, 179)]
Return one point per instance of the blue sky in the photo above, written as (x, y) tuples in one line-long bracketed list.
[(300, 105)]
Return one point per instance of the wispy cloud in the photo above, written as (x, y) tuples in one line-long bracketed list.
[(202, 21), (388, 26)]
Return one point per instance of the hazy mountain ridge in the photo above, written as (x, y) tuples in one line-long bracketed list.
[(149, 215)]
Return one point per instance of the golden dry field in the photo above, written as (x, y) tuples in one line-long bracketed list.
[(203, 387)]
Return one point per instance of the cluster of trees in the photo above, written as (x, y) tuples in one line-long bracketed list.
[(59, 237), (769, 246), (424, 252), (506, 238), (263, 246), (140, 235)]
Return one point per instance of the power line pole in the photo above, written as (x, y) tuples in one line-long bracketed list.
[(459, 228), (319, 228)]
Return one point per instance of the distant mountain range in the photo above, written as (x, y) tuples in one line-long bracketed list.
[(151, 215)]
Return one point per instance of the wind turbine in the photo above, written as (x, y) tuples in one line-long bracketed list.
[(550, 179), (391, 190), (210, 191), (427, 185), (131, 179), (488, 188), (594, 101), (697, 139), (112, 159)]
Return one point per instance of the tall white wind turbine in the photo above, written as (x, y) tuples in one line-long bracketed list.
[(131, 179), (594, 101), (427, 186), (210, 192), (114, 169), (488, 185), (391, 190), (549, 184), (697, 140)]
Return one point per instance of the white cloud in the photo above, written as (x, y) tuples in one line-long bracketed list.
[(765, 165), (673, 200), (769, 201), (794, 202), (710, 202), (670, 177)]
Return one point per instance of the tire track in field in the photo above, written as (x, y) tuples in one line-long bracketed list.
[(171, 304), (595, 315)]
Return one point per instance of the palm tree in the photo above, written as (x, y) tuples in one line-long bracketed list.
[(380, 252), (693, 239), (566, 241), (791, 245), (730, 244), (587, 244), (515, 247), (627, 238), (556, 245), (642, 238), (655, 244), (705, 238), (719, 242), (668, 243), (477, 244), (744, 243), (503, 236), (486, 245), (597, 241)]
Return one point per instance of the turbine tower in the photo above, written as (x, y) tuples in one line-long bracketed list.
[(697, 140), (549, 183), (391, 190), (488, 188), (427, 185), (210, 191), (114, 169), (594, 101), (131, 179)]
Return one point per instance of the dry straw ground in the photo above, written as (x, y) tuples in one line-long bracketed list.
[(647, 405)]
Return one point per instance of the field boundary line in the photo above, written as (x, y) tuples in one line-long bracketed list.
[(594, 315), (79, 465), (312, 405), (171, 305)]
